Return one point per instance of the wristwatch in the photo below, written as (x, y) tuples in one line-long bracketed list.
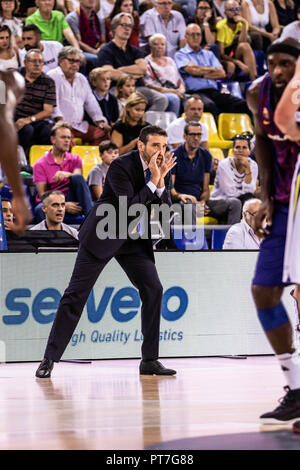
[(33, 118)]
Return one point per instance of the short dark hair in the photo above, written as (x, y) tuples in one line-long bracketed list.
[(151, 130), (32, 27), (191, 124), (50, 192), (106, 145)]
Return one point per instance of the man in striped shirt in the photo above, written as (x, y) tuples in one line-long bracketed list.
[(36, 107)]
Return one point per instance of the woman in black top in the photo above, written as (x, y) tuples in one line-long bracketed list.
[(127, 129)]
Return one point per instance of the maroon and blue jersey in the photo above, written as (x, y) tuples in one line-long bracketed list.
[(285, 151)]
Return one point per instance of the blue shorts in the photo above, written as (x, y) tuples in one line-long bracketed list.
[(269, 266)]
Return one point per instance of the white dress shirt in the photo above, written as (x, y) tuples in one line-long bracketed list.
[(241, 237), (73, 100)]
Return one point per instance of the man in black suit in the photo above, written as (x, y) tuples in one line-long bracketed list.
[(139, 177)]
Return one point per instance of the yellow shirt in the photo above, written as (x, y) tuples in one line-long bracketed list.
[(226, 34)]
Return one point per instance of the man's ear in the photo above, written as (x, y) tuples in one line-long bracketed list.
[(140, 146), (44, 208)]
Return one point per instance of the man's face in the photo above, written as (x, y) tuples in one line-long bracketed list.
[(193, 36), (88, 3), (124, 29), (163, 7), (232, 9), (62, 139), (193, 137), (34, 64), (54, 209), (281, 68), (251, 212), (194, 110), (8, 215), (30, 40), (109, 155), (45, 6), (70, 65), (155, 143)]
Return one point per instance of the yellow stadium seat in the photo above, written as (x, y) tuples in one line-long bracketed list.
[(89, 155), (214, 139), (231, 124), (230, 153), (77, 141), (36, 152), (206, 220), (217, 153)]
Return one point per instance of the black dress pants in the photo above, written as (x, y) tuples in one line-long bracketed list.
[(213, 99), (141, 271)]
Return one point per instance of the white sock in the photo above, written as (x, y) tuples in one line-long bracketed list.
[(290, 366)]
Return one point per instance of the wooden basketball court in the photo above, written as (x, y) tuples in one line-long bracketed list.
[(107, 405)]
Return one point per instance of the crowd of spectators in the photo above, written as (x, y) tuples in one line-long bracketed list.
[(93, 68)]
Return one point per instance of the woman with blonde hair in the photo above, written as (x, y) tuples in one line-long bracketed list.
[(127, 129), (9, 57)]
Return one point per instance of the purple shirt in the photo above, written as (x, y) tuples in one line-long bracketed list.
[(45, 169)]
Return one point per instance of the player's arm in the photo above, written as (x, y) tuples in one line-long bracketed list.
[(264, 157), (284, 116)]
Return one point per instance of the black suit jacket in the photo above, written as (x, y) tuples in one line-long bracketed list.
[(125, 177)]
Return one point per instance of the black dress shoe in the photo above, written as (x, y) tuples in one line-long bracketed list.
[(44, 369), (154, 368)]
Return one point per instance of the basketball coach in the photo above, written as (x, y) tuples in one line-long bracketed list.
[(138, 177)]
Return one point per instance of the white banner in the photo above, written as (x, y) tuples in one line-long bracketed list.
[(207, 307)]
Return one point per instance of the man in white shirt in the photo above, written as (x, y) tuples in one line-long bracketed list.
[(74, 96), (193, 109), (292, 30), (54, 206), (31, 37), (241, 236)]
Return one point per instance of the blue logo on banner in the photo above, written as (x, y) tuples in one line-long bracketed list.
[(124, 305)]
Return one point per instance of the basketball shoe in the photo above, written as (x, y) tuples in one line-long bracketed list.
[(288, 410)]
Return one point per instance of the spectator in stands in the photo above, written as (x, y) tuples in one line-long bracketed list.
[(292, 30), (236, 176), (108, 152), (54, 208), (8, 215), (232, 40), (286, 12), (193, 110), (7, 10), (124, 58), (162, 19), (263, 22), (220, 8), (100, 81), (190, 178), (241, 236), (86, 27), (205, 17), (106, 7), (200, 69), (74, 97), (124, 88), (127, 129), (9, 56), (31, 37), (35, 109), (51, 23), (60, 170), (162, 74), (127, 7)]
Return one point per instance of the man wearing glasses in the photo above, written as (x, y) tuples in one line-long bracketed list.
[(36, 107), (122, 58), (232, 40), (162, 19), (241, 236)]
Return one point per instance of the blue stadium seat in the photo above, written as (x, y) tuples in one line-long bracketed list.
[(217, 239), (233, 87)]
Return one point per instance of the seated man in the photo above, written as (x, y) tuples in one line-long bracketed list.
[(60, 170), (7, 211), (54, 207), (122, 58), (51, 23), (193, 110), (190, 178), (232, 34), (200, 69), (32, 40), (36, 107), (74, 97), (100, 81), (108, 152), (241, 236)]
